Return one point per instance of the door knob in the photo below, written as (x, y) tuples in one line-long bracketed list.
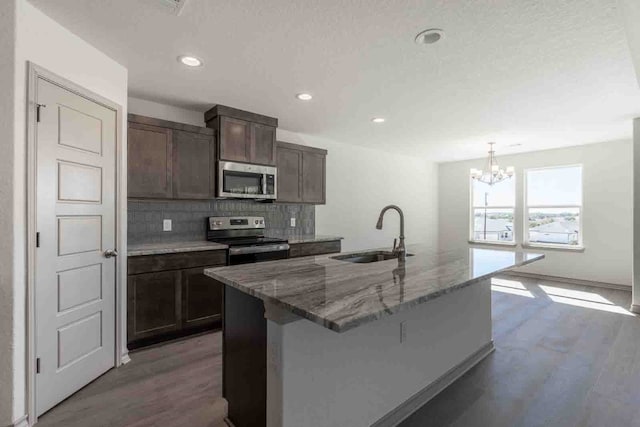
[(110, 253)]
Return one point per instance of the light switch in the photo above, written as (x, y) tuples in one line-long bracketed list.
[(293, 222), (166, 225)]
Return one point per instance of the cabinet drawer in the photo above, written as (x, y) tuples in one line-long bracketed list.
[(314, 248), (151, 263)]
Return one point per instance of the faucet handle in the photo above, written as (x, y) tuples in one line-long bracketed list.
[(395, 241)]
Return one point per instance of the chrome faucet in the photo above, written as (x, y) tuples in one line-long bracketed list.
[(399, 250)]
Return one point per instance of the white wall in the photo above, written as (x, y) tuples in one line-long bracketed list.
[(165, 112), (49, 45), (635, 305), (607, 209), (360, 182), (7, 137)]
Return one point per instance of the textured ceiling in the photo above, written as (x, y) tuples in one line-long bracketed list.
[(544, 74), (631, 12)]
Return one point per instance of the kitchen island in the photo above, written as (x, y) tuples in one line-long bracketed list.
[(325, 341)]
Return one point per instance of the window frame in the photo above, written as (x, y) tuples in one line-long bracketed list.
[(526, 207), (472, 209)]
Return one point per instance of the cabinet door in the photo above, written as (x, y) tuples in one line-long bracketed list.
[(289, 175), (235, 139), (193, 166), (149, 161), (153, 304), (313, 177), (263, 144), (201, 299)]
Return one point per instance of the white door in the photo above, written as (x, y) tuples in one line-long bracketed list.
[(75, 272)]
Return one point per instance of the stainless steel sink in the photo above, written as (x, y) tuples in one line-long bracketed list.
[(367, 257)]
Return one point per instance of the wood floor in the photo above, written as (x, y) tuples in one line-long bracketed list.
[(566, 356), (176, 384)]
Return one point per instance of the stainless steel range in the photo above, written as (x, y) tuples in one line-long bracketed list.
[(246, 240)]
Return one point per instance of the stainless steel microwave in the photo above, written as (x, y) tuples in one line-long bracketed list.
[(247, 181)]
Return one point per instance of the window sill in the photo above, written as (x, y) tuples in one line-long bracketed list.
[(566, 248), (482, 242)]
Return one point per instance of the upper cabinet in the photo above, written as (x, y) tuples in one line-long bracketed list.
[(168, 160), (243, 136), (150, 152), (301, 174)]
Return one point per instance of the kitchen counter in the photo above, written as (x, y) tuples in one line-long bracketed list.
[(173, 248), (342, 295), (406, 330), (313, 239)]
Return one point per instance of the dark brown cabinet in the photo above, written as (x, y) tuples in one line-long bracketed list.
[(313, 176), (169, 296), (314, 248), (301, 174), (201, 299), (235, 140), (193, 166), (153, 304), (289, 174), (243, 136), (169, 160), (150, 152)]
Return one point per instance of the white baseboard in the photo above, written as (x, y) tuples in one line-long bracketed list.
[(570, 281), (419, 399), (124, 359), (23, 421)]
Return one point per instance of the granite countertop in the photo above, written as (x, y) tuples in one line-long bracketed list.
[(313, 238), (173, 248), (341, 295)]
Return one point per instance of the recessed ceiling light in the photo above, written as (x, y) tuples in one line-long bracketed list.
[(430, 36), (190, 61), (378, 120), (304, 96)]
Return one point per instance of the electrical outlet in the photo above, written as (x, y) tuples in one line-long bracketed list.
[(403, 332), (166, 225), (293, 222)]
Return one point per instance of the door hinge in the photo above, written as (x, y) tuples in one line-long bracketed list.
[(38, 239), (38, 365), (38, 107)]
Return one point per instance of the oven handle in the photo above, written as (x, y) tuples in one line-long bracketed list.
[(258, 249)]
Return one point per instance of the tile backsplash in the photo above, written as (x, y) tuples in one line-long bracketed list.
[(188, 218)]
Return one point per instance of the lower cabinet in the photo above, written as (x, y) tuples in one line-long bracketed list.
[(178, 300), (153, 305), (201, 302), (314, 248)]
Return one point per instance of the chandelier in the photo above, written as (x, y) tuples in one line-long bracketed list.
[(493, 174)]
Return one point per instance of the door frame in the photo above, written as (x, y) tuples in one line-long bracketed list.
[(121, 352)]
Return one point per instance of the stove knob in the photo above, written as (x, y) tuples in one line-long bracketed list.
[(262, 221), (256, 222)]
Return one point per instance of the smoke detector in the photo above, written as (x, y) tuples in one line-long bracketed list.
[(175, 6)]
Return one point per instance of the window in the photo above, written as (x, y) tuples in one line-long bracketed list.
[(554, 206), (492, 211)]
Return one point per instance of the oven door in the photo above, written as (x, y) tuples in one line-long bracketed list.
[(245, 181), (251, 254)]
